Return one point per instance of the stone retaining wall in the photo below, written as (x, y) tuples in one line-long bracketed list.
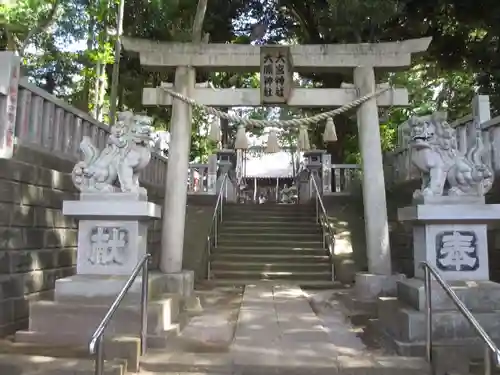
[(37, 243), (400, 235), (347, 216)]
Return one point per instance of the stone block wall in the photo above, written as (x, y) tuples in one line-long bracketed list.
[(37, 243), (400, 235), (199, 212), (347, 216)]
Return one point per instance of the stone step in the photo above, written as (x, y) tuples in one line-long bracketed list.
[(268, 218), (286, 242), (15, 364), (30, 346), (294, 210), (267, 236), (270, 267), (304, 216), (388, 365), (270, 207), (305, 284), (470, 347), (477, 295), (294, 230), (476, 367), (48, 316), (270, 224), (161, 340), (266, 249), (408, 325), (258, 275), (270, 258), (184, 362), (66, 345)]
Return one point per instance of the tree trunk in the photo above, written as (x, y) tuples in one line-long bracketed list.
[(97, 85), (101, 93), (201, 9)]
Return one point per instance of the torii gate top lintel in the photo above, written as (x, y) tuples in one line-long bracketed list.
[(239, 57)]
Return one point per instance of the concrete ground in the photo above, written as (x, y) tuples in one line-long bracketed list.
[(267, 329)]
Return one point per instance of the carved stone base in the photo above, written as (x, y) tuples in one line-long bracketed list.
[(451, 235), (112, 231), (109, 247), (466, 199), (103, 289), (458, 251)]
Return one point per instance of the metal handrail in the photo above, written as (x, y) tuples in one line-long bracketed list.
[(490, 345), (216, 219), (96, 346), (322, 219)]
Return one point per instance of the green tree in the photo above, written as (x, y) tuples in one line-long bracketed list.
[(462, 59)]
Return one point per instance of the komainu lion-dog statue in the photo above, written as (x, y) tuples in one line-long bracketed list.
[(127, 152), (444, 169)]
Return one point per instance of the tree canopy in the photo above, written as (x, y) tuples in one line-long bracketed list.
[(67, 49)]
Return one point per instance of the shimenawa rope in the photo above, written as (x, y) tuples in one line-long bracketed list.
[(276, 123)]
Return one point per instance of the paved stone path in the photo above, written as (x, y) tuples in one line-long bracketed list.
[(277, 329), (277, 333)]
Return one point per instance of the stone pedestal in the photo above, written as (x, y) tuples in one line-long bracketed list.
[(112, 231), (226, 158), (314, 166), (450, 234), (112, 239), (212, 175)]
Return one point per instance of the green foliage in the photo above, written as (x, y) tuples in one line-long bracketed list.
[(201, 146), (463, 58), (431, 89)]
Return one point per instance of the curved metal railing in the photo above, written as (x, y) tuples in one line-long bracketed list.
[(216, 219), (322, 219), (96, 345), (489, 345)]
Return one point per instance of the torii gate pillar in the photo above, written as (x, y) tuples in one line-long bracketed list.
[(174, 211), (374, 199)]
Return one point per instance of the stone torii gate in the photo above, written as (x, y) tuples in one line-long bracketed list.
[(362, 59)]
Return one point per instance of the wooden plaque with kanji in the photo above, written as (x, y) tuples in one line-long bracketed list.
[(276, 74)]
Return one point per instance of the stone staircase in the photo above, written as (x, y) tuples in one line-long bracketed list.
[(270, 242)]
